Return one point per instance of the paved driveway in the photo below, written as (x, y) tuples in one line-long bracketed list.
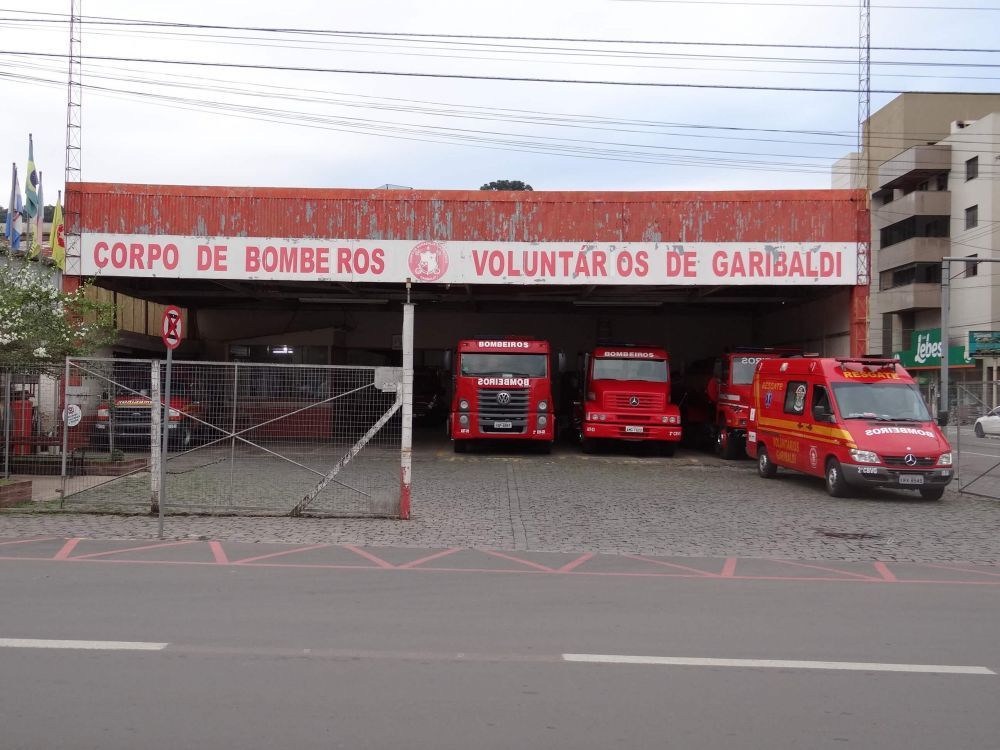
[(691, 505)]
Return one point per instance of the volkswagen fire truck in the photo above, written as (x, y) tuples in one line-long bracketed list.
[(627, 397), (502, 390)]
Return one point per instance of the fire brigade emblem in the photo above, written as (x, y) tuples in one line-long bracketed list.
[(813, 456), (503, 398), (633, 401), (768, 398), (428, 261)]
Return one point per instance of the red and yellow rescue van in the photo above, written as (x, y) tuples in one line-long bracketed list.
[(855, 422)]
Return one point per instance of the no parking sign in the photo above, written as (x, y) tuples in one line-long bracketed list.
[(172, 327)]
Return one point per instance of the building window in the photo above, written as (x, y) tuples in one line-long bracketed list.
[(972, 268), (942, 181), (972, 168), (913, 273), (971, 217)]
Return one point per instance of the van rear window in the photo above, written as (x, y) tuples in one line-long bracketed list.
[(795, 397)]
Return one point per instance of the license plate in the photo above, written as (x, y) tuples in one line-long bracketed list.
[(635, 428), (911, 478), (502, 425)]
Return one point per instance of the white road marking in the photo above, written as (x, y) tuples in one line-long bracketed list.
[(84, 645), (687, 661)]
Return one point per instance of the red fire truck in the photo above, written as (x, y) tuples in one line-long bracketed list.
[(502, 390), (717, 401), (627, 397)]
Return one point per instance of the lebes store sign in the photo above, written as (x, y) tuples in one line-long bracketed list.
[(314, 259)]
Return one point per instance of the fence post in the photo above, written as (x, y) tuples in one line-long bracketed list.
[(232, 440), (406, 456), (156, 432), (957, 462), (63, 415), (6, 424)]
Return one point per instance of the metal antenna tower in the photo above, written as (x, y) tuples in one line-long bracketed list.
[(74, 132), (864, 88)]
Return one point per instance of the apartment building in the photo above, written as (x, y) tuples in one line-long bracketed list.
[(935, 162)]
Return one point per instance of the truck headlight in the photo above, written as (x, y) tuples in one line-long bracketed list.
[(463, 419), (864, 457), (463, 405), (542, 420), (665, 419), (945, 459), (543, 405)]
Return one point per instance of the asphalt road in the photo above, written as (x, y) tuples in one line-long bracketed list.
[(298, 657)]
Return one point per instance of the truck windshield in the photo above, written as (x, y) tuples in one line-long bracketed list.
[(897, 402), (506, 365), (649, 370), (743, 369)]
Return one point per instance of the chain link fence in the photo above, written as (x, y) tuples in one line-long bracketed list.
[(255, 439)]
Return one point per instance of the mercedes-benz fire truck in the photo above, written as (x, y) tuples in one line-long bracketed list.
[(717, 401), (502, 390), (627, 397)]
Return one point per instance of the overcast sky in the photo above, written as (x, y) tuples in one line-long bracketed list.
[(166, 123)]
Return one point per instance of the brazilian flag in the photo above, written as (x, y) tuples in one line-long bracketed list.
[(31, 183)]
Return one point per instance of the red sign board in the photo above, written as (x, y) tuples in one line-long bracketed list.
[(172, 327)]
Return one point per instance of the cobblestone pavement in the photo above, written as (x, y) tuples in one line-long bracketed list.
[(691, 505)]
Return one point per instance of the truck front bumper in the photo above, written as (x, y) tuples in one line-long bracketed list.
[(623, 431)]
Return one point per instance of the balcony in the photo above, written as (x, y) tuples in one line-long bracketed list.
[(910, 297), (917, 203), (913, 250), (914, 166)]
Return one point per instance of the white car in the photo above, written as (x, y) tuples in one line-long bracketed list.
[(989, 424)]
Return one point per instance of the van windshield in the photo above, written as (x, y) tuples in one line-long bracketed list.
[(505, 365), (896, 402), (648, 370)]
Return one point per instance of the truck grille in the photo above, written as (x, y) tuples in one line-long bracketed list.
[(132, 414), (646, 401), (901, 461), (492, 411)]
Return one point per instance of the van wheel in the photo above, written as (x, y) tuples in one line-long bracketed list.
[(765, 468), (980, 433), (835, 483), (932, 493), (461, 446)]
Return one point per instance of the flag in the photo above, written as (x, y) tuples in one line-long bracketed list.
[(12, 227), (39, 223), (57, 238), (31, 183)]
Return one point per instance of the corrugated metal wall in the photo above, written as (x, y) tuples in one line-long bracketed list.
[(751, 216)]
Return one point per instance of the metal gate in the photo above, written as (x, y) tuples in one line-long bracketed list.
[(242, 438), (974, 434)]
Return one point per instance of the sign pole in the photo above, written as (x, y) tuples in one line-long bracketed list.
[(164, 440), (172, 330)]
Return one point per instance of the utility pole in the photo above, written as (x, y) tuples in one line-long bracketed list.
[(74, 133)]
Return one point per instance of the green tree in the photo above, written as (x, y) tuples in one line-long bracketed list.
[(506, 185), (40, 324)]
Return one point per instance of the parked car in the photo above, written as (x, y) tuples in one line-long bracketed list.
[(988, 424)]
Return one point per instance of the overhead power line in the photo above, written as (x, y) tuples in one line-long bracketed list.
[(454, 76)]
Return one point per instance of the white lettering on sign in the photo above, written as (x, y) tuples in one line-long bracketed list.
[(899, 431), (516, 382), (628, 355), (927, 349), (467, 262), (503, 344)]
